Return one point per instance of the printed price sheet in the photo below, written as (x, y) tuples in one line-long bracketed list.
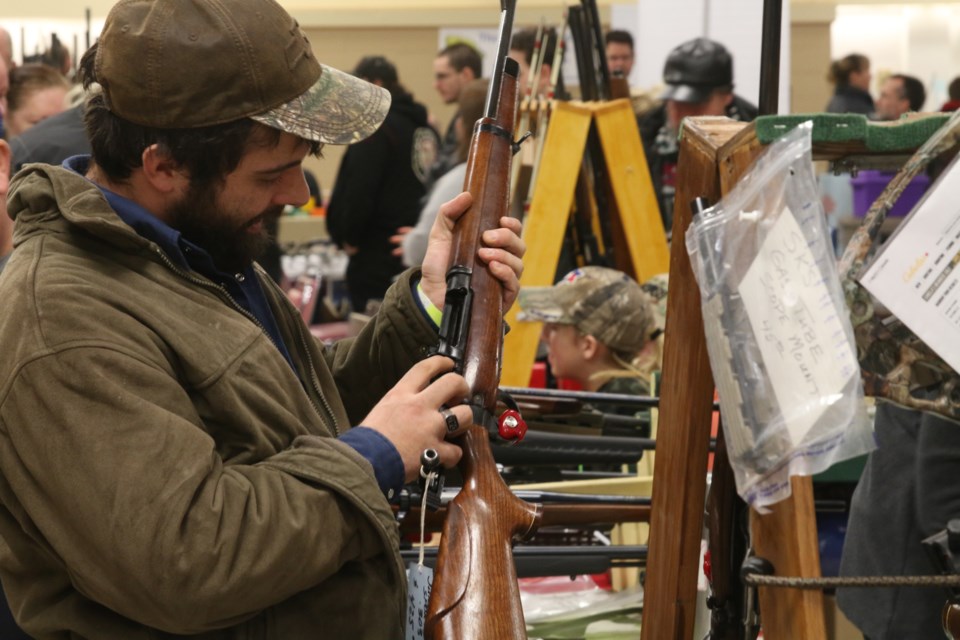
[(916, 273)]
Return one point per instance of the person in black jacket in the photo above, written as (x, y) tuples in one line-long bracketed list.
[(52, 140), (379, 187), (850, 76), (908, 491), (699, 79)]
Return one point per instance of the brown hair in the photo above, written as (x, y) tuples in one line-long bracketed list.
[(472, 101), (28, 79), (461, 56), (841, 69)]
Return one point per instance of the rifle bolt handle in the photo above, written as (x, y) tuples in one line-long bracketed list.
[(511, 426)]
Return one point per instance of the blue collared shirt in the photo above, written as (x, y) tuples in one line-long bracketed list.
[(245, 290)]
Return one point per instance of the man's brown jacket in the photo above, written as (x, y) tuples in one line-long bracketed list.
[(162, 468)]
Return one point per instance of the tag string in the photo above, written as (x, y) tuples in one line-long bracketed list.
[(423, 513)]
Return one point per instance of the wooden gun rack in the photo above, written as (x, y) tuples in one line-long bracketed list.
[(634, 210), (714, 154)]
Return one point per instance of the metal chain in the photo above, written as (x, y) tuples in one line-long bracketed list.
[(760, 580)]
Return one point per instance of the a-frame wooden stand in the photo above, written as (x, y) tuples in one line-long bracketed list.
[(714, 154), (633, 205)]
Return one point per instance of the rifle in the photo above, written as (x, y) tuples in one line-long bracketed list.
[(568, 509), (475, 592), (527, 104), (538, 561), (591, 190)]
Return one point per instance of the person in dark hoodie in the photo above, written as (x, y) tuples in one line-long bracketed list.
[(850, 76), (379, 186)]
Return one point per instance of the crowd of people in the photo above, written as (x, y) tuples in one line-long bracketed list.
[(218, 470), (899, 93)]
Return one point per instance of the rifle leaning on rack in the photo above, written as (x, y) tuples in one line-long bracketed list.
[(566, 509), (591, 196)]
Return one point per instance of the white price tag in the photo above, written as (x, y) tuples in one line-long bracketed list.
[(419, 582)]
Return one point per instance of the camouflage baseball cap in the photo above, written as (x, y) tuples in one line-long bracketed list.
[(604, 303), (182, 64), (656, 287)]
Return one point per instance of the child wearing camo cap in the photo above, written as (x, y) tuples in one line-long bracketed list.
[(597, 321)]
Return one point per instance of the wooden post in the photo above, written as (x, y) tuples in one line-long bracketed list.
[(686, 404)]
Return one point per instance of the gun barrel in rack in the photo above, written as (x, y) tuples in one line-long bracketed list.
[(538, 561)]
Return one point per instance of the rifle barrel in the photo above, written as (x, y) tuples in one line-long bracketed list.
[(539, 561), (507, 9)]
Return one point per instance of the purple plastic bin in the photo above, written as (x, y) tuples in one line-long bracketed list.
[(870, 184)]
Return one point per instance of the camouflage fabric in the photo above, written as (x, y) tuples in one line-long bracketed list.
[(894, 362), (656, 287), (337, 109), (604, 303), (625, 385)]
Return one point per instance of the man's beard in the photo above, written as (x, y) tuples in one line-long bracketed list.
[(200, 219)]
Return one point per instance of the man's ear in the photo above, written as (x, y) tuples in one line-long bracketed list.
[(163, 172), (5, 155), (589, 347)]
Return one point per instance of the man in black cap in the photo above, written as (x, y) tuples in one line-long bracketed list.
[(699, 79)]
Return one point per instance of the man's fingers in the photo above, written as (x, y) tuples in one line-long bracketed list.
[(506, 275), (464, 420), (451, 211), (419, 376), (492, 256), (512, 223), (507, 240), (449, 389), (450, 454)]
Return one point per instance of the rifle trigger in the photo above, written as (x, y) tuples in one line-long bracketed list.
[(516, 145)]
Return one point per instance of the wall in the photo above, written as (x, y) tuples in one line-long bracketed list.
[(406, 32), (921, 40), (810, 58)]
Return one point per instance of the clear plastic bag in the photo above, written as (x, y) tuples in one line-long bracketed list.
[(778, 332)]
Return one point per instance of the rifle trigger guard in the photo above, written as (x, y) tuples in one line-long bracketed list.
[(515, 146)]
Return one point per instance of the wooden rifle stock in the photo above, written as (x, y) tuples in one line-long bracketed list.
[(951, 620), (475, 593)]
